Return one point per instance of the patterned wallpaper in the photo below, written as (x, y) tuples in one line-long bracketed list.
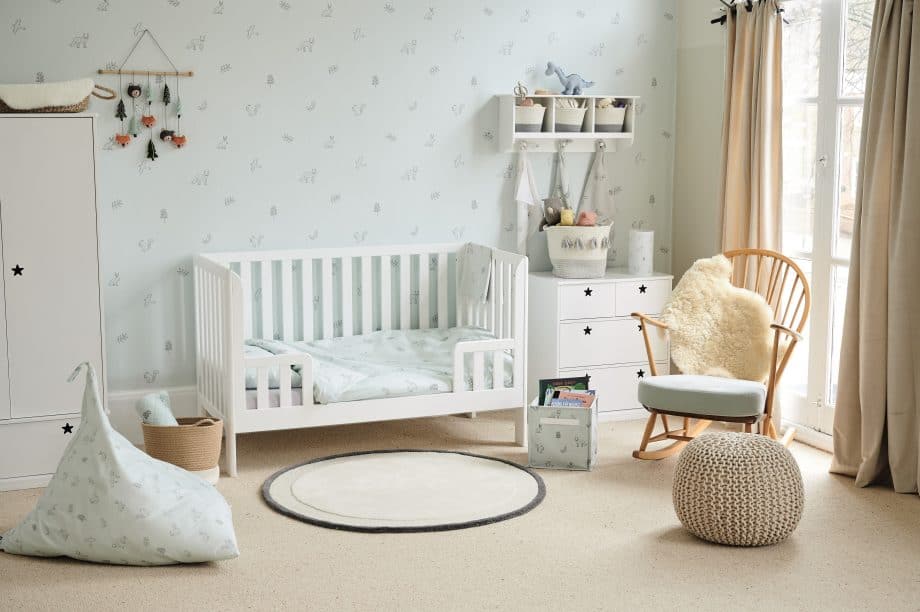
[(332, 123)]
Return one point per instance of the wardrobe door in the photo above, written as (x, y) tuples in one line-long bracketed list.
[(4, 365), (50, 260)]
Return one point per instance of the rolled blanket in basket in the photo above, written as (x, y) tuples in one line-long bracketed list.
[(32, 96)]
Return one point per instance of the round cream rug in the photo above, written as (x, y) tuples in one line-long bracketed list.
[(401, 491)]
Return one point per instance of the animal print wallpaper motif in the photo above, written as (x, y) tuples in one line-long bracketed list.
[(332, 123)]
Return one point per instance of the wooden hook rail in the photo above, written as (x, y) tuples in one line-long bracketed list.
[(185, 73)]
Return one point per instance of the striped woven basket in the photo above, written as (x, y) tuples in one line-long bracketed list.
[(193, 444)]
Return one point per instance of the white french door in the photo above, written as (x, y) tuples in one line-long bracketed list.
[(825, 53)]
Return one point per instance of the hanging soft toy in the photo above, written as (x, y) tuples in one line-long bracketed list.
[(121, 137), (149, 121), (179, 139)]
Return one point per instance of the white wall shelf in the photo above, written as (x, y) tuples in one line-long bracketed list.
[(548, 139)]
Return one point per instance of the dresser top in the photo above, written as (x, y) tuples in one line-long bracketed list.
[(613, 274)]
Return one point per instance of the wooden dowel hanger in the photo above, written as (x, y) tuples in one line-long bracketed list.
[(184, 73)]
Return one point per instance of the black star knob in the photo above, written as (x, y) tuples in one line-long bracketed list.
[(640, 374), (587, 331), (639, 326), (17, 271), (588, 291), (642, 288), (68, 428)]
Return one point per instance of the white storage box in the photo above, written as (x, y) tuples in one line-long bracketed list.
[(569, 119), (561, 438), (609, 119), (578, 251), (528, 118)]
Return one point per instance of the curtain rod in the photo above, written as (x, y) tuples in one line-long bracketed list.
[(748, 6)]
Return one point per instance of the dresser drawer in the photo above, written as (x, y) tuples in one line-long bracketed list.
[(641, 296), (617, 387), (589, 343), (586, 301), (33, 448)]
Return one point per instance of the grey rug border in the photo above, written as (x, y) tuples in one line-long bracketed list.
[(277, 507)]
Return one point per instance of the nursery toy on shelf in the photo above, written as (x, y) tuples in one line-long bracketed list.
[(551, 214), (587, 218), (572, 84), (566, 216)]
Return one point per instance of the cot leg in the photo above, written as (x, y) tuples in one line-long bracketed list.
[(520, 426)]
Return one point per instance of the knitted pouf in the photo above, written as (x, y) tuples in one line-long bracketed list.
[(738, 489)]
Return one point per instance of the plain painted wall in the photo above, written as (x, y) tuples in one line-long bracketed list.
[(331, 123), (698, 139)]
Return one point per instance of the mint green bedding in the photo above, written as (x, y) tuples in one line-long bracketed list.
[(389, 363)]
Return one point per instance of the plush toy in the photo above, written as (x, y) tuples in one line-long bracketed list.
[(551, 208), (123, 139), (572, 84), (148, 120), (587, 217), (179, 140), (566, 216)]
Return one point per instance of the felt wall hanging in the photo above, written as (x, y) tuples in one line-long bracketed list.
[(148, 118)]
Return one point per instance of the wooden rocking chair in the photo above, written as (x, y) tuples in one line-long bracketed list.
[(699, 400)]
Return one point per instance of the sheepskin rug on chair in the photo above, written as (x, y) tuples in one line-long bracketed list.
[(717, 329)]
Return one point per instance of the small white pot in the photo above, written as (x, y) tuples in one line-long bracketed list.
[(528, 118), (609, 119), (570, 119)]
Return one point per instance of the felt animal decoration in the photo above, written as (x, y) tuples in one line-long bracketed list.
[(166, 134), (134, 90), (587, 218), (572, 84), (123, 139), (149, 120)]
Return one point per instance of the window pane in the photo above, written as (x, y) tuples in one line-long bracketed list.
[(800, 124), (795, 377), (849, 133), (857, 32), (839, 299), (801, 48)]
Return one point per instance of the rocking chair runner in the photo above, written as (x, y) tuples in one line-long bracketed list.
[(706, 398)]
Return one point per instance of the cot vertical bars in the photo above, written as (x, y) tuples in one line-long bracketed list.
[(268, 328), (306, 271), (405, 289), (287, 300), (443, 314), (386, 293), (367, 294), (424, 291), (246, 284), (347, 296), (326, 289)]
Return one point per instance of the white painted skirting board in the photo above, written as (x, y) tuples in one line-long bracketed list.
[(182, 400)]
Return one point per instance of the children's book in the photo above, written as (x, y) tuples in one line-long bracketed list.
[(573, 399), (575, 383)]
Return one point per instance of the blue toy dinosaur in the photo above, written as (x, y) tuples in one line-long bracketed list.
[(572, 84)]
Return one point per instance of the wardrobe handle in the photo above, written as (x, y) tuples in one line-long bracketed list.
[(640, 374), (642, 288), (588, 291)]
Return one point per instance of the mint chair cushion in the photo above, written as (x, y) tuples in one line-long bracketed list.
[(703, 395)]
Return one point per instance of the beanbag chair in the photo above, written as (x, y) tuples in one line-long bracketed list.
[(109, 502)]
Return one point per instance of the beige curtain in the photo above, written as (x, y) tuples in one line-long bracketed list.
[(752, 150), (876, 424)]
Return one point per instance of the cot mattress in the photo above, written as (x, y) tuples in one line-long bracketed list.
[(392, 363)]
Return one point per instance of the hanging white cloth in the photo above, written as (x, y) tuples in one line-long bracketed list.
[(561, 179), (528, 203)]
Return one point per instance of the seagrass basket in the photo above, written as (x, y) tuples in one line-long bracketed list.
[(67, 103), (193, 444)]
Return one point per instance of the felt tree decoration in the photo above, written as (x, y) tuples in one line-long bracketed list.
[(133, 126), (166, 98), (166, 134), (122, 138), (151, 150), (120, 110)]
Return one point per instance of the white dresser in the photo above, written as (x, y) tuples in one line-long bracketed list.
[(582, 326), (49, 288)]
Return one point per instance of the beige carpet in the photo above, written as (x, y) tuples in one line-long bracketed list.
[(600, 541)]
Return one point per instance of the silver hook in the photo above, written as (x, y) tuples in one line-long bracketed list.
[(601, 144), (523, 145)]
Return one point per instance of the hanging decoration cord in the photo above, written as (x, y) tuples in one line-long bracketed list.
[(175, 71)]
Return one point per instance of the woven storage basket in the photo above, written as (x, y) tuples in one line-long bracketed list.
[(63, 106), (578, 251), (194, 444)]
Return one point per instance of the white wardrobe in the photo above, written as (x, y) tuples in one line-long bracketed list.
[(50, 297)]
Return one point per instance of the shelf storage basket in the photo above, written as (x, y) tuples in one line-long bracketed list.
[(61, 97), (193, 444), (561, 438), (528, 118), (578, 251), (609, 119)]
